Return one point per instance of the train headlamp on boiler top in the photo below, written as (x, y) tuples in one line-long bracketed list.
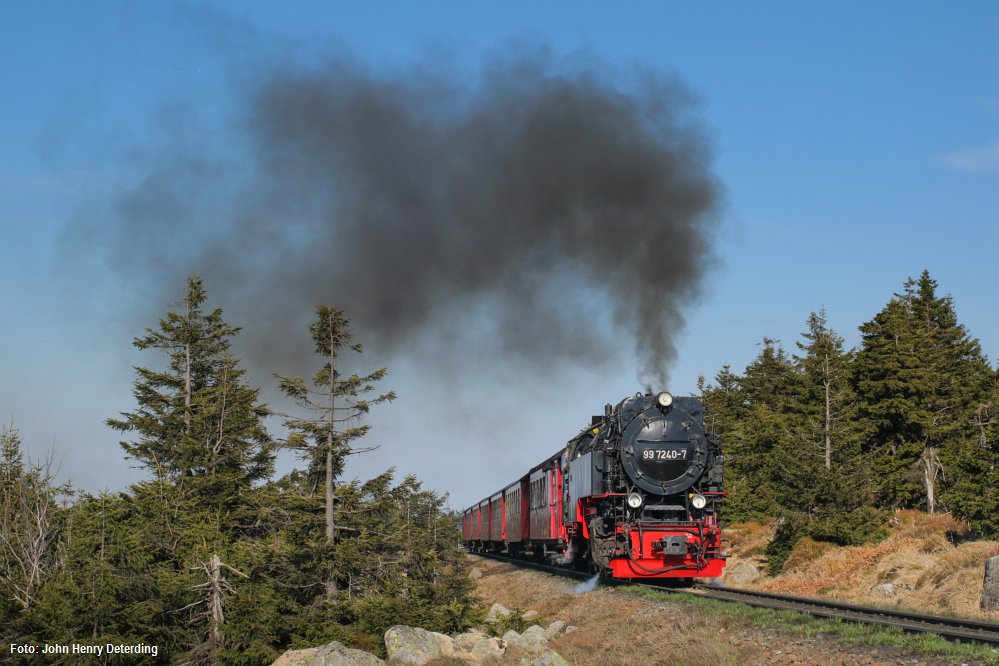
[(664, 399)]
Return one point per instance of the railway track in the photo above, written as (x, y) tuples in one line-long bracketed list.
[(955, 629)]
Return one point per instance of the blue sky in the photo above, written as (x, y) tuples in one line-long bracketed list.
[(857, 144)]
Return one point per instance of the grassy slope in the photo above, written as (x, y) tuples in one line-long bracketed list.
[(624, 626), (932, 568)]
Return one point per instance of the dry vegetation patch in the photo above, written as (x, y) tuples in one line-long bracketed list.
[(924, 564), (628, 626), (749, 540), (613, 629)]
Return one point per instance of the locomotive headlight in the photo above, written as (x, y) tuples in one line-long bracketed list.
[(634, 500), (664, 399), (699, 501)]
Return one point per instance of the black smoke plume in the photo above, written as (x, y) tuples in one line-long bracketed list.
[(546, 212)]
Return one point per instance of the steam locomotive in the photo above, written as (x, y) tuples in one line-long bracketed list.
[(636, 494)]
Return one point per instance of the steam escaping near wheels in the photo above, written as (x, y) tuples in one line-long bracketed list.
[(586, 586)]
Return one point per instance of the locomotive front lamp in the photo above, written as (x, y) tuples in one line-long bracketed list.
[(699, 501), (634, 500), (664, 399)]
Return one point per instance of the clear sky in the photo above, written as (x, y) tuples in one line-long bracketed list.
[(857, 144)]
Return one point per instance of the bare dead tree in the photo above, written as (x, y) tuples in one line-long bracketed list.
[(983, 417), (212, 594), (30, 528)]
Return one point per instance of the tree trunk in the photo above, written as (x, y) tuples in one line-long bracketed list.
[(990, 587), (828, 421), (330, 524), (216, 609), (187, 373), (931, 468), (187, 389)]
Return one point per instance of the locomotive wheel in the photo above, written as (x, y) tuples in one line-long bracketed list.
[(601, 545), (581, 561)]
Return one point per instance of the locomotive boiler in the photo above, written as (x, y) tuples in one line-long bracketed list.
[(636, 494)]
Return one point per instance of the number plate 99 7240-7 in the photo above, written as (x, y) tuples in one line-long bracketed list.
[(664, 454)]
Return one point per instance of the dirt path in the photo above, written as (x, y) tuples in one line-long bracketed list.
[(617, 629)]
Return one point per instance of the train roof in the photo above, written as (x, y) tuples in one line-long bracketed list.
[(544, 464)]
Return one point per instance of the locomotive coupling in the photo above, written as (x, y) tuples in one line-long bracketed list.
[(671, 545)]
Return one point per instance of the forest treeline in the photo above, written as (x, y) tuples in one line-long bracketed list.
[(210, 557), (829, 440)]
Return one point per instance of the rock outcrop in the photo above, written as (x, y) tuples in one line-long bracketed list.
[(534, 635), (514, 640), (331, 654), (412, 645), (545, 657), (990, 586), (742, 573), (485, 649), (554, 629), (884, 589), (497, 612)]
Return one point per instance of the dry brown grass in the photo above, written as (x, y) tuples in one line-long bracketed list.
[(748, 540), (518, 589), (804, 552), (613, 629), (618, 631), (931, 570), (916, 524)]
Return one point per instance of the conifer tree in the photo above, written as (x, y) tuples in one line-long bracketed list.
[(971, 490), (198, 428), (335, 402), (822, 479), (824, 402), (751, 412), (208, 559), (198, 419), (919, 378)]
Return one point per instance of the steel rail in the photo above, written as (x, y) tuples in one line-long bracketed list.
[(530, 564), (955, 629), (951, 628)]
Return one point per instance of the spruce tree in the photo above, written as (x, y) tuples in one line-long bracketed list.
[(334, 403), (751, 413), (198, 429), (198, 419), (825, 400), (971, 487), (919, 377), (824, 481)]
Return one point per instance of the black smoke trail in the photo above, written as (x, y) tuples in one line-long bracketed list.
[(549, 209)]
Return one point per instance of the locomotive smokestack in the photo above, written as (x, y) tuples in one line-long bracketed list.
[(543, 212)]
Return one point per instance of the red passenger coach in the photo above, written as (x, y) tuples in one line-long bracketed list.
[(637, 494), (496, 518), (515, 514)]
